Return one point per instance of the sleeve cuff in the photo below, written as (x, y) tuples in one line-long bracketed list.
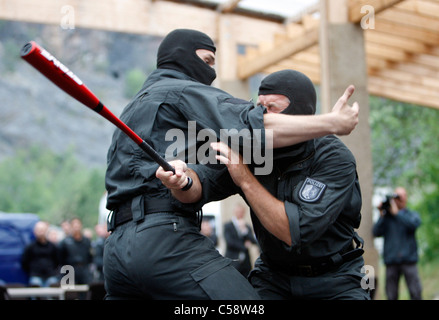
[(293, 218)]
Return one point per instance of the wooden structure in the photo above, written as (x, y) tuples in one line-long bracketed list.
[(388, 48), (401, 36), (401, 44)]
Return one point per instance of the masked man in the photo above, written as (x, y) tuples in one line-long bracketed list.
[(155, 250), (305, 212)]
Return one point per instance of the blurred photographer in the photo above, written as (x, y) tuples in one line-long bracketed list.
[(398, 225)]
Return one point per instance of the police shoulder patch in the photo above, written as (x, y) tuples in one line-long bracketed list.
[(311, 190)]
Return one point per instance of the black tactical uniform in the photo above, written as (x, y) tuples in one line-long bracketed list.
[(156, 250), (318, 183), (322, 200), (322, 197)]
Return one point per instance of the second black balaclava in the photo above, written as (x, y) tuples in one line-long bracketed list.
[(302, 95), (177, 52), (294, 85)]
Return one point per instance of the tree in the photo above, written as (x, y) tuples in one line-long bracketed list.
[(133, 82), (54, 186), (404, 151)]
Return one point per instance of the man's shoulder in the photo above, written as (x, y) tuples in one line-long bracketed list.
[(332, 144), (68, 240), (411, 212), (192, 90), (328, 140), (165, 77)]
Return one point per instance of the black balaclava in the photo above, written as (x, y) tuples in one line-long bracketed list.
[(177, 52), (302, 95), (294, 85)]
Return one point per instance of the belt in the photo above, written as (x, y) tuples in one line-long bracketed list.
[(317, 269), (320, 266), (124, 213)]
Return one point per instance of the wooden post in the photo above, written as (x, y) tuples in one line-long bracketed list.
[(343, 62), (227, 70), (227, 59)]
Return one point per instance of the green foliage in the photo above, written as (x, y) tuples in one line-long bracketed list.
[(133, 82), (53, 186), (428, 234), (404, 151), (429, 274)]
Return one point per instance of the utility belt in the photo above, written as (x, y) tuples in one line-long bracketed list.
[(317, 267), (137, 208)]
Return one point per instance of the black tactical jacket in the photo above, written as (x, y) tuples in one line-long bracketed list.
[(161, 111), (322, 198)]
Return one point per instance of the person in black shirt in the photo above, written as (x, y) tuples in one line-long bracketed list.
[(40, 258), (155, 250), (239, 237), (76, 251), (98, 252), (304, 212)]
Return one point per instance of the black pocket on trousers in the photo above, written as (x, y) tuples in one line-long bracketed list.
[(221, 281), (157, 219)]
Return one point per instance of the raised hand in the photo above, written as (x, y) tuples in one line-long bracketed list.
[(346, 116)]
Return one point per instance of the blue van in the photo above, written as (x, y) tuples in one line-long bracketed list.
[(16, 232)]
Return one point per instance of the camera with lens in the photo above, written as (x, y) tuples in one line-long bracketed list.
[(385, 206)]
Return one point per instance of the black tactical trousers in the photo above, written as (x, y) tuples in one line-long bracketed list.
[(341, 284), (166, 257)]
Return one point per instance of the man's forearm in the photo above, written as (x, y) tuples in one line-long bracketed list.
[(287, 130), (269, 210)]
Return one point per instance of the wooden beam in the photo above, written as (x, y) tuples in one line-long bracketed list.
[(228, 6), (402, 76), (312, 72), (413, 88), (385, 52), (409, 18), (430, 37), (426, 8), (249, 67), (293, 61), (399, 91), (307, 62), (395, 41), (419, 69), (133, 16), (308, 57), (238, 10), (376, 63), (156, 18), (428, 60), (355, 7)]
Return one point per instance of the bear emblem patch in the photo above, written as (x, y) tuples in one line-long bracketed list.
[(311, 190)]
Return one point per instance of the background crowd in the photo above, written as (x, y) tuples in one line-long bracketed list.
[(70, 244), (83, 248)]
